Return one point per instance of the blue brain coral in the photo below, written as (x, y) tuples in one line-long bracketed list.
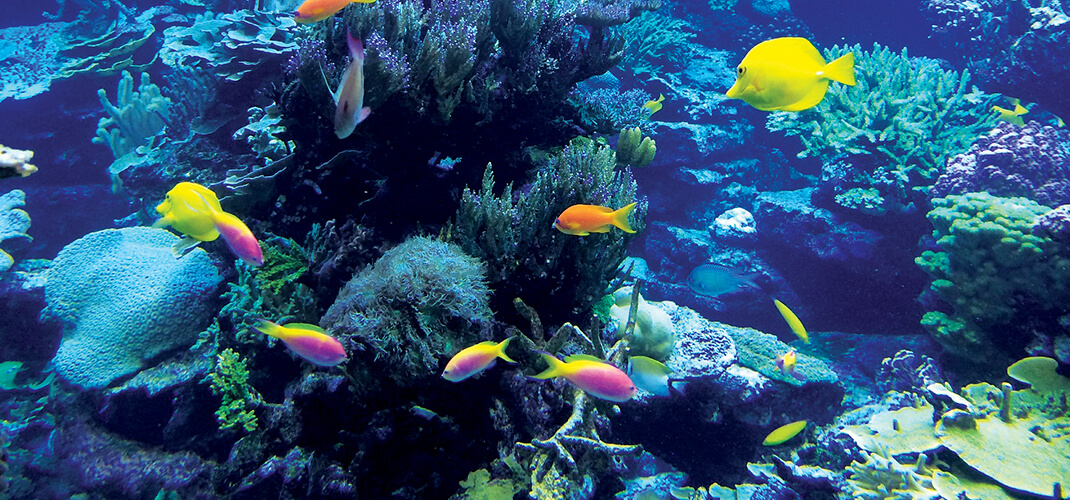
[(124, 300)]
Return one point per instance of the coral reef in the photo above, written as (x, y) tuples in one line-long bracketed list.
[(653, 39), (115, 323), (999, 278), (1031, 161), (133, 121), (891, 132), (230, 381), (14, 222), (420, 300), (514, 234), (232, 46)]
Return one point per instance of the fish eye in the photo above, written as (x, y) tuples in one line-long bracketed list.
[(741, 70)]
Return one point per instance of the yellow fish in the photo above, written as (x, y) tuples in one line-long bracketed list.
[(194, 211), (793, 321), (788, 74), (655, 105), (1011, 116), (783, 433)]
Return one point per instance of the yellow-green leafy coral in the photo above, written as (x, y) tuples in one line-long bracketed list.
[(230, 380), (896, 127), (990, 268), (635, 150)]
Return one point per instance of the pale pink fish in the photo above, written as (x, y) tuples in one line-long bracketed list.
[(308, 341), (475, 359), (591, 375), (349, 98)]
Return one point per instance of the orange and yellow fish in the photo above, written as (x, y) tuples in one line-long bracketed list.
[(591, 375), (314, 11), (581, 220), (194, 211), (308, 341), (475, 359)]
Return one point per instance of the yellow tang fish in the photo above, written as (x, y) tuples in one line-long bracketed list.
[(1011, 116), (654, 105), (194, 211), (788, 74)]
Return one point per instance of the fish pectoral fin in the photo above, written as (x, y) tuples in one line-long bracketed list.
[(363, 115), (184, 246)]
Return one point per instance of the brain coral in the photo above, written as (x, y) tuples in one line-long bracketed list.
[(125, 299)]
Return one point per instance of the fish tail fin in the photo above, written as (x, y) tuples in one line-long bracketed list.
[(620, 217), (363, 115), (239, 238), (356, 49), (501, 350), (555, 369), (842, 70)]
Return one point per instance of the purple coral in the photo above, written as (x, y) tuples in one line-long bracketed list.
[(1031, 161)]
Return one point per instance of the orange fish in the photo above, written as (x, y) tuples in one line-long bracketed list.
[(582, 220), (314, 11)]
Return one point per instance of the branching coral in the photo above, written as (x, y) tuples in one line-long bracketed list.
[(991, 269), (136, 116), (513, 232), (230, 381), (896, 127), (652, 38)]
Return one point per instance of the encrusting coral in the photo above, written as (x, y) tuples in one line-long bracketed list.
[(14, 222), (125, 299)]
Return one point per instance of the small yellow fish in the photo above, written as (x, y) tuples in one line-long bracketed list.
[(1011, 116), (786, 363), (793, 321), (655, 105), (581, 220), (783, 433), (788, 74), (649, 375)]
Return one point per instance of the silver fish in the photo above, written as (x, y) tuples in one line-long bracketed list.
[(349, 98)]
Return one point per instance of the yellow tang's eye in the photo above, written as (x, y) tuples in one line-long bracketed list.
[(741, 70)]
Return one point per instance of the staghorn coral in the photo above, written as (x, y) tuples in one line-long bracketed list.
[(514, 234), (892, 131), (993, 272), (421, 299), (124, 300)]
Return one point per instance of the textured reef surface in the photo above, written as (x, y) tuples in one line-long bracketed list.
[(546, 249)]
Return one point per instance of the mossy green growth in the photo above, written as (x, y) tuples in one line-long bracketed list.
[(230, 380), (897, 126), (635, 150), (479, 486), (284, 262), (991, 269)]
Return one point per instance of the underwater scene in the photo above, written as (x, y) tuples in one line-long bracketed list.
[(535, 249)]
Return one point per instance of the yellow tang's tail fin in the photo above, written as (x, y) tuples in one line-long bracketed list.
[(620, 218), (842, 70), (500, 351), (556, 368)]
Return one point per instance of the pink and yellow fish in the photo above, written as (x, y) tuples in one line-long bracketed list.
[(314, 11), (786, 363), (591, 375), (308, 341), (475, 359), (349, 97), (194, 211), (581, 220)]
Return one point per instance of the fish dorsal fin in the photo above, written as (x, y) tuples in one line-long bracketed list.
[(643, 363), (583, 357), (304, 326), (335, 94)]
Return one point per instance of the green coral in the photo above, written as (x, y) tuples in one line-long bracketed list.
[(635, 150), (882, 477), (897, 126), (422, 299), (514, 232), (230, 380), (284, 262), (479, 486), (652, 38), (991, 269)]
